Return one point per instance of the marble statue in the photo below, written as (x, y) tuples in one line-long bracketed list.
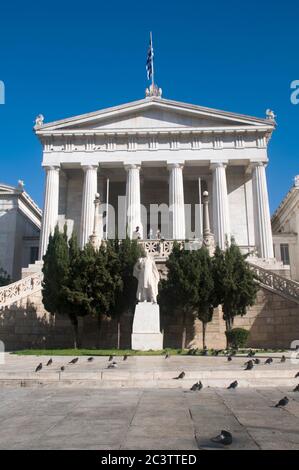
[(39, 120), (145, 270)]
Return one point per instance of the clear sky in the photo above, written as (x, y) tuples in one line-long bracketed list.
[(63, 58)]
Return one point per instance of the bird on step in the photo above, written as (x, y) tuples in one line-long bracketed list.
[(297, 375), (197, 386), (251, 353), (296, 389), (269, 360), (257, 361), (283, 359), (166, 355), (249, 365), (125, 357), (62, 368), (113, 365), (90, 359), (229, 358), (49, 362), (110, 358), (224, 438), (180, 376), (233, 385), (73, 361), (39, 367)]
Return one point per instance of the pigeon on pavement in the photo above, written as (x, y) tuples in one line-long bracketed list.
[(249, 365), (49, 362), (283, 402), (224, 438)]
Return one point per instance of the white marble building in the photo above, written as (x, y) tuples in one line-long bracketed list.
[(158, 151), (285, 227), (20, 223)]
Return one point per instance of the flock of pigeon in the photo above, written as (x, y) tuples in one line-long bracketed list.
[(225, 437)]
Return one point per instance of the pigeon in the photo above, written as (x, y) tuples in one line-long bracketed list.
[(257, 361), (73, 361), (90, 359), (49, 362), (283, 359), (110, 358), (251, 353), (249, 365), (180, 376), (296, 389), (269, 360), (297, 375), (62, 368), (229, 358), (166, 356), (196, 387), (224, 438), (233, 385), (39, 367), (125, 357), (112, 366), (283, 402)]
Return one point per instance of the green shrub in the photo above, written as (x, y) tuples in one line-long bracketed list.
[(237, 337)]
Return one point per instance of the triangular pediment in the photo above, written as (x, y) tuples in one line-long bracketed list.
[(154, 114)]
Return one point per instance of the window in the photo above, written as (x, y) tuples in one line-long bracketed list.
[(33, 254), (284, 253)]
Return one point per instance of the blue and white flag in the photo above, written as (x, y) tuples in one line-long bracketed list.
[(149, 60)]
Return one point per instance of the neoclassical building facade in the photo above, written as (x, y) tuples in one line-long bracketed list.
[(155, 153)]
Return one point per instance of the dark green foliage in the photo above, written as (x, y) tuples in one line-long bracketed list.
[(189, 285), (235, 283), (4, 278), (56, 272), (237, 337)]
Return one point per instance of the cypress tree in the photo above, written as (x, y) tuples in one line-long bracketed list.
[(235, 283)]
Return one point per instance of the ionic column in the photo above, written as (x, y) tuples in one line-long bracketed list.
[(221, 224), (50, 213), (133, 208), (262, 220), (176, 202), (90, 189)]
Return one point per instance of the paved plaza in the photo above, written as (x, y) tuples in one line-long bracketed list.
[(139, 405), (72, 418)]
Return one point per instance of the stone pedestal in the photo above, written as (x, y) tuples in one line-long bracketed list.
[(146, 327)]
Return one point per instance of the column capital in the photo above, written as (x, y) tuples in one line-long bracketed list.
[(89, 167), (172, 165), (258, 164), (51, 167), (132, 166), (218, 164)]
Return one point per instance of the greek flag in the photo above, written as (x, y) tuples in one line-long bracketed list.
[(149, 60)]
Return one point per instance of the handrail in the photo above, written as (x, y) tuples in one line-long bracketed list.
[(17, 290), (279, 284)]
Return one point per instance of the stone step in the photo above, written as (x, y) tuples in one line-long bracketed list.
[(150, 379)]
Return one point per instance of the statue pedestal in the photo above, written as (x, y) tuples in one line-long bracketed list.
[(146, 327)]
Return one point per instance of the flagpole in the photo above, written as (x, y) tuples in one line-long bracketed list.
[(152, 59)]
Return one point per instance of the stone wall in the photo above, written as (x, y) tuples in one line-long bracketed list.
[(273, 323)]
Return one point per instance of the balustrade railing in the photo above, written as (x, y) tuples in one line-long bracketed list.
[(279, 284), (17, 290)]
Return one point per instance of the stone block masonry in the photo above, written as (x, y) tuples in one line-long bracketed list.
[(273, 322)]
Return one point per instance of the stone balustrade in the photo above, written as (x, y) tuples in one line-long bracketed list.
[(20, 289)]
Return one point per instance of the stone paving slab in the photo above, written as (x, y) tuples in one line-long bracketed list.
[(160, 419)]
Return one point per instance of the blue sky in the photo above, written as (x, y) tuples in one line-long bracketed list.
[(65, 58)]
